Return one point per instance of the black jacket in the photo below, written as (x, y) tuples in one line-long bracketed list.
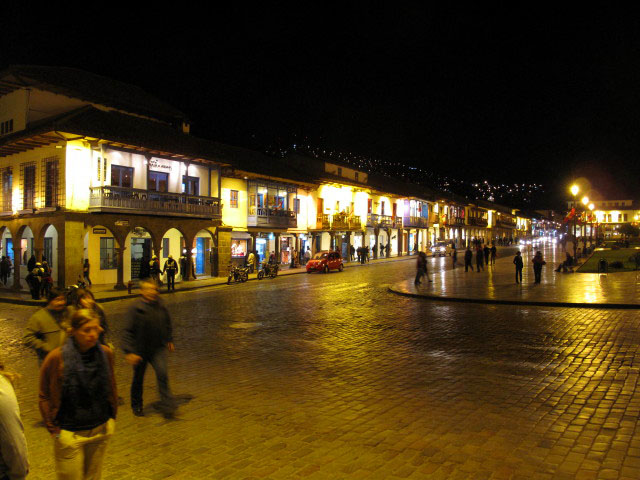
[(147, 329)]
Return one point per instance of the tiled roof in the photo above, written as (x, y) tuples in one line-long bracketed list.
[(88, 87)]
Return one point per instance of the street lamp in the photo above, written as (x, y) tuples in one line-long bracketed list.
[(591, 207), (574, 191)]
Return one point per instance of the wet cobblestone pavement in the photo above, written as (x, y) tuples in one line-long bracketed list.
[(332, 376)]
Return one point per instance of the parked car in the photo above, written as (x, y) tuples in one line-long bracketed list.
[(324, 261), (441, 248)]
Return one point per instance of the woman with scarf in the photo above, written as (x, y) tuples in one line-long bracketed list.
[(78, 399)]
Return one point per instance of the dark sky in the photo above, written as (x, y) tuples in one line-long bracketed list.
[(531, 94)]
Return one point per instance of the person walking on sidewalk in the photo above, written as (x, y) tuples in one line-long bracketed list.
[(86, 270), (494, 252), (79, 399), (421, 268), (47, 328), (538, 262), (14, 464), (487, 252), (468, 256), (454, 256), (154, 269), (147, 338), (171, 268), (517, 261), (479, 259), (5, 270)]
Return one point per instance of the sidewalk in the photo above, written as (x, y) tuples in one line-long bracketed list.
[(496, 285), (106, 293)]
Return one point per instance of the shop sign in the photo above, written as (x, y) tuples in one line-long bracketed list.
[(160, 164), (122, 223), (99, 231)]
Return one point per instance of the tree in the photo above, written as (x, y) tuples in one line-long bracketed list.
[(627, 230)]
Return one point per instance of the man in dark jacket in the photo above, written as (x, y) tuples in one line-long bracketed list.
[(517, 261), (468, 256), (146, 339)]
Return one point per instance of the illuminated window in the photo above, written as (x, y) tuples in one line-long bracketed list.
[(296, 205), (121, 176), (165, 247), (108, 259), (233, 198), (158, 182), (7, 188), (51, 182), (28, 185)]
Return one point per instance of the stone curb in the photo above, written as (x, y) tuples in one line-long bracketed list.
[(40, 303), (531, 303)]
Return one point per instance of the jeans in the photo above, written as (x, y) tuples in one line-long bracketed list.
[(79, 455), (171, 281), (159, 363), (518, 273)]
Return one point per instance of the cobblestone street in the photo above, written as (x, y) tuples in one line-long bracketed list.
[(331, 376)]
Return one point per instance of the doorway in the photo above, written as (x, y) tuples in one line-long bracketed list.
[(140, 257)]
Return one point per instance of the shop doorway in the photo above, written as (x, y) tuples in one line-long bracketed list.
[(9, 248), (200, 249), (261, 249), (140, 257)]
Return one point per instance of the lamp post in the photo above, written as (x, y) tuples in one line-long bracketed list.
[(591, 207), (574, 191), (585, 201)]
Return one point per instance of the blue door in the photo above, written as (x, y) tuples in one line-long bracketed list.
[(200, 256), (9, 248)]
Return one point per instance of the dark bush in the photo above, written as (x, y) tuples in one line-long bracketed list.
[(617, 264)]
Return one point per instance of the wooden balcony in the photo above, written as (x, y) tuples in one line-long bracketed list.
[(133, 200), (504, 223), (478, 222), (384, 221), (414, 222), (339, 222), (267, 217)]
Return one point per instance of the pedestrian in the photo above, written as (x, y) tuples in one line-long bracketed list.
[(487, 251), (421, 268), (468, 256), (86, 271), (171, 268), (14, 463), (272, 257), (479, 259), (46, 329), (154, 269), (494, 252), (250, 261), (307, 255), (352, 251), (359, 254), (147, 337), (5, 270), (78, 399), (31, 264), (184, 268), (538, 262), (34, 280), (454, 256), (387, 250), (47, 281), (517, 261)]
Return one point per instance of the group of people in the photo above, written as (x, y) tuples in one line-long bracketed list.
[(39, 278), (538, 263), (484, 256), (78, 394)]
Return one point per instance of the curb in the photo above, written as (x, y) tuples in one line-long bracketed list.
[(40, 303), (531, 303)]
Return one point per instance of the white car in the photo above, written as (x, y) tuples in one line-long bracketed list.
[(441, 248)]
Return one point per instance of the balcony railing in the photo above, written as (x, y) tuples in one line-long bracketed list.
[(501, 222), (386, 221), (133, 200), (339, 221), (416, 222), (268, 217)]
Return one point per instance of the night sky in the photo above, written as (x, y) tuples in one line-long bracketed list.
[(522, 95)]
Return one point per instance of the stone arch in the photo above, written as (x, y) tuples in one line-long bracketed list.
[(203, 252), (142, 246), (104, 259)]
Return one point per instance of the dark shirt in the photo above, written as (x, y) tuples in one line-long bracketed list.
[(517, 261), (83, 407), (147, 329)]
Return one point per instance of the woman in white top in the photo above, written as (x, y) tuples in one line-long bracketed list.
[(13, 446)]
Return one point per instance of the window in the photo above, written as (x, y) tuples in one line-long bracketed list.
[(6, 127), (370, 205), (47, 254), (619, 217), (625, 217), (51, 182), (7, 188), (28, 186), (121, 176), (381, 208), (296, 205), (233, 198), (190, 185), (108, 259), (165, 247), (158, 182)]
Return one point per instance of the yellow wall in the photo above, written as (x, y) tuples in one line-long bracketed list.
[(13, 106), (78, 175), (234, 217)]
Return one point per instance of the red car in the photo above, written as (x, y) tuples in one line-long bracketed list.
[(325, 261)]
